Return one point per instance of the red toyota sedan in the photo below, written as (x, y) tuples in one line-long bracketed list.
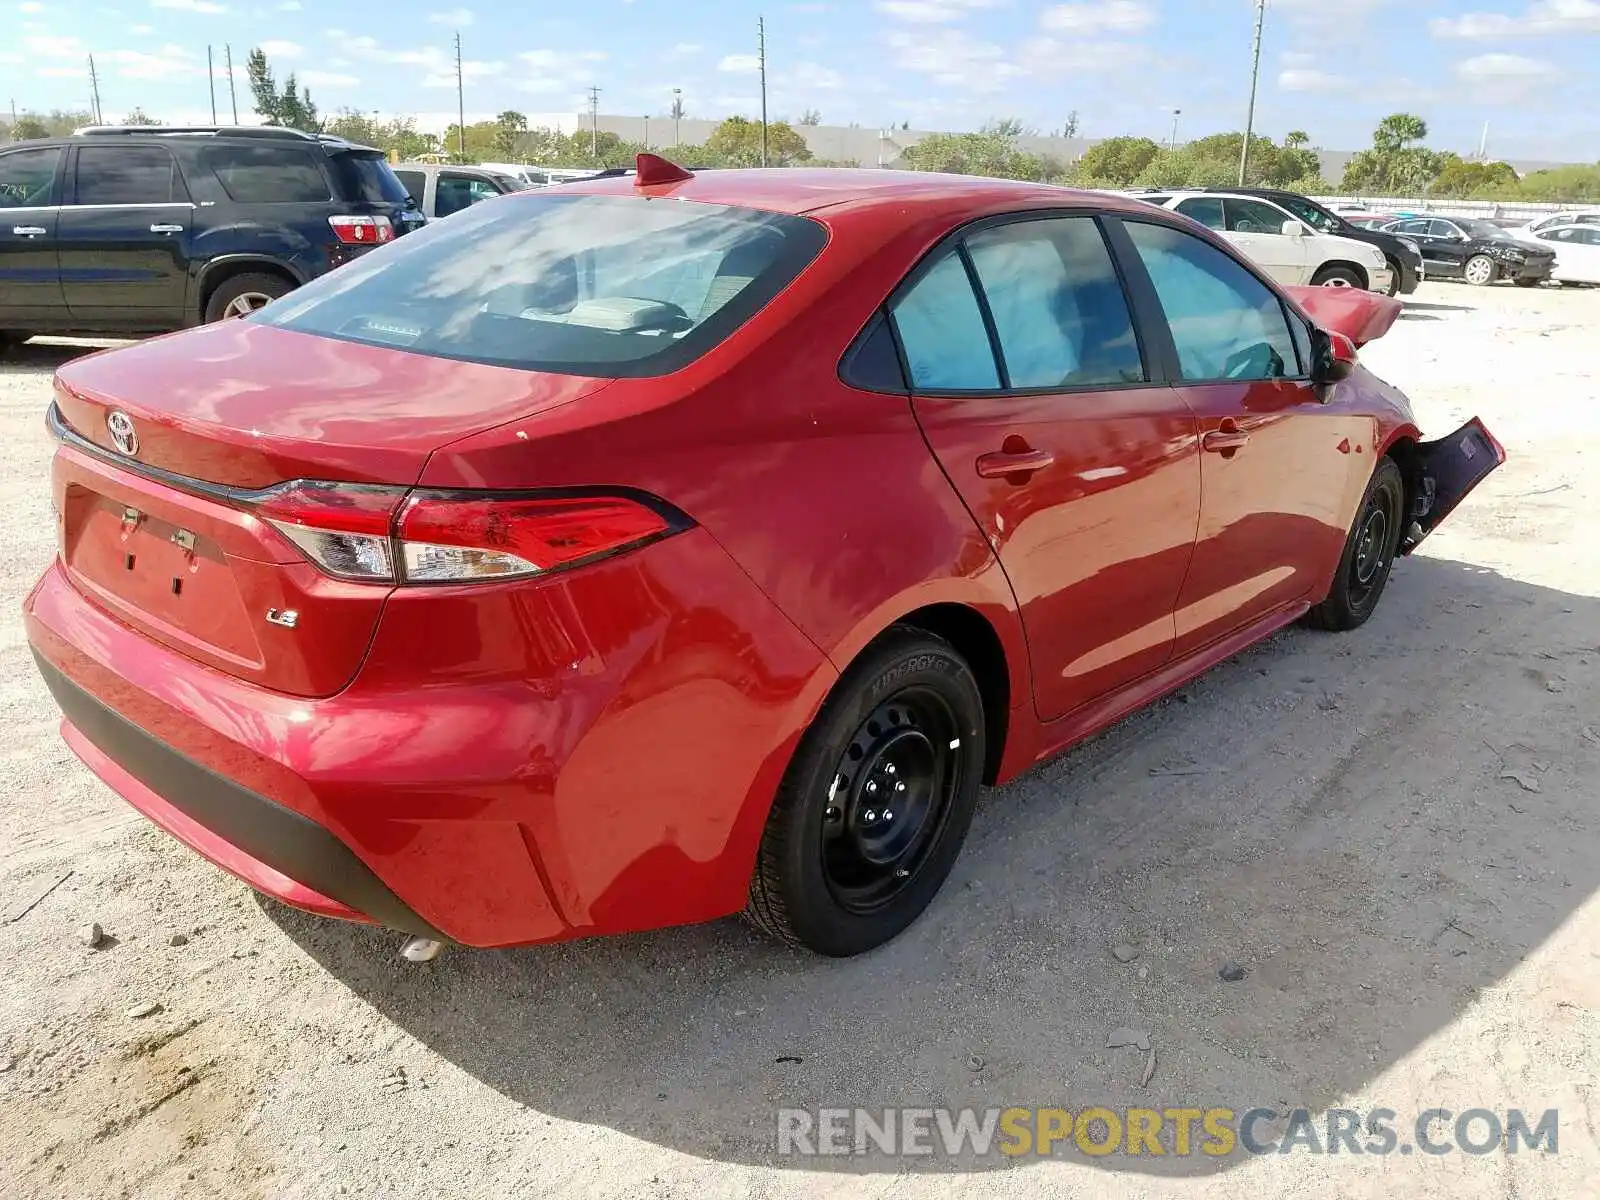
[(659, 548)]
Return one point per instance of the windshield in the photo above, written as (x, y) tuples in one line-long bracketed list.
[(607, 286), (1312, 214), (1483, 229)]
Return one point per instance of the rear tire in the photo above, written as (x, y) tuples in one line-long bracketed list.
[(874, 807), (1394, 278), (1368, 556), (1479, 270), (11, 340), (1341, 277), (244, 294)]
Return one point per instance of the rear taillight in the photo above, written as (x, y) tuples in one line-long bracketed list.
[(365, 533), (362, 231)]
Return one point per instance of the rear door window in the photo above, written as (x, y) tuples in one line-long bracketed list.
[(1205, 209), (27, 177), (1253, 216), (128, 175), (268, 174), (606, 286), (415, 183), (1057, 304)]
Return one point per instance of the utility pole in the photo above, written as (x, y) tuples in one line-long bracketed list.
[(1483, 143), (211, 78), (647, 131), (1255, 75), (677, 115), (594, 122), (233, 97), (1176, 113), (761, 55), (94, 91), (461, 105)]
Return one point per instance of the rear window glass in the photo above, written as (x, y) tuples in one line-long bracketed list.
[(415, 183), (606, 286), (267, 174), (368, 178)]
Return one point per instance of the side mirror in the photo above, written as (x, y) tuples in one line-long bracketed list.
[(1334, 357), (1293, 229)]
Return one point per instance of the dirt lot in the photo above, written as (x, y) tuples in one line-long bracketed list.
[(1419, 927)]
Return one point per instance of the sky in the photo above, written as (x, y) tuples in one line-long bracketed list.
[(1334, 68)]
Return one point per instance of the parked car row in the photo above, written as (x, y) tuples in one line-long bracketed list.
[(1562, 246)]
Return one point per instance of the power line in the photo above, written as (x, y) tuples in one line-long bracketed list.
[(1255, 74), (761, 56)]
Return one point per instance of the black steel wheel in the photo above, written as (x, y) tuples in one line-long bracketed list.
[(1369, 552), (876, 803)]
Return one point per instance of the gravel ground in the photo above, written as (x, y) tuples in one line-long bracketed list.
[(1418, 927)]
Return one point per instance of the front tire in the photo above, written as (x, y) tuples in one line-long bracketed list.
[(1368, 556), (1337, 277), (1394, 278), (1479, 270), (245, 294), (874, 807)]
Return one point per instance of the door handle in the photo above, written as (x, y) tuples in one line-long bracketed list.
[(166, 229), (29, 230), (1002, 464), (1220, 441)]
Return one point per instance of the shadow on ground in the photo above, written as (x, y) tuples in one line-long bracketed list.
[(35, 355), (1330, 811)]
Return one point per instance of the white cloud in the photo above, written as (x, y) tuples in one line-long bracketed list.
[(1047, 56), (327, 79), (62, 72), (53, 46), (1307, 79), (290, 6), (194, 6), (470, 71), (142, 30), (1491, 67), (30, 7), (740, 64), (930, 12), (1113, 16), (809, 75), (458, 17), (1551, 18), (687, 48), (954, 59), (280, 49)]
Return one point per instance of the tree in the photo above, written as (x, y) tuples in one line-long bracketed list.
[(737, 143), (987, 152), (811, 117), (29, 126), (509, 128), (1295, 139), (139, 117), (677, 112), (1458, 177), (1069, 128), (1394, 166), (1118, 161), (1006, 127), (1399, 130), (292, 107)]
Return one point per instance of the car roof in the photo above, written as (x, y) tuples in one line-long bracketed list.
[(798, 190)]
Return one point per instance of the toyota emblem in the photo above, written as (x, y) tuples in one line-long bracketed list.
[(120, 426)]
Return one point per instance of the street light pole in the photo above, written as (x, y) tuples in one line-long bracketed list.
[(1255, 75), (1173, 144), (677, 115)]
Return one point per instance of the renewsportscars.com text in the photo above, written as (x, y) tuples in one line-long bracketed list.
[(1179, 1132)]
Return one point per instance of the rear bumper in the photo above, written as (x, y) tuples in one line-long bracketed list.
[(272, 848), (590, 755)]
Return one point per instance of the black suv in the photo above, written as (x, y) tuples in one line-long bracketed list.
[(1404, 255), (148, 229)]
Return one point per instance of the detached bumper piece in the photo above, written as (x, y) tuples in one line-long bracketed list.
[(275, 850)]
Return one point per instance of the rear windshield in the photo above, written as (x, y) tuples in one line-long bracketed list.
[(368, 178), (607, 286), (267, 174)]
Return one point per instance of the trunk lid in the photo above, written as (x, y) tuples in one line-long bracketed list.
[(160, 533)]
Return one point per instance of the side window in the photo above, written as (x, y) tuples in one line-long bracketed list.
[(27, 177), (1443, 229), (1205, 209), (1253, 216), (1057, 304), (267, 174), (416, 184), (451, 194), (1591, 237), (128, 175), (1226, 323), (942, 333), (1414, 228)]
